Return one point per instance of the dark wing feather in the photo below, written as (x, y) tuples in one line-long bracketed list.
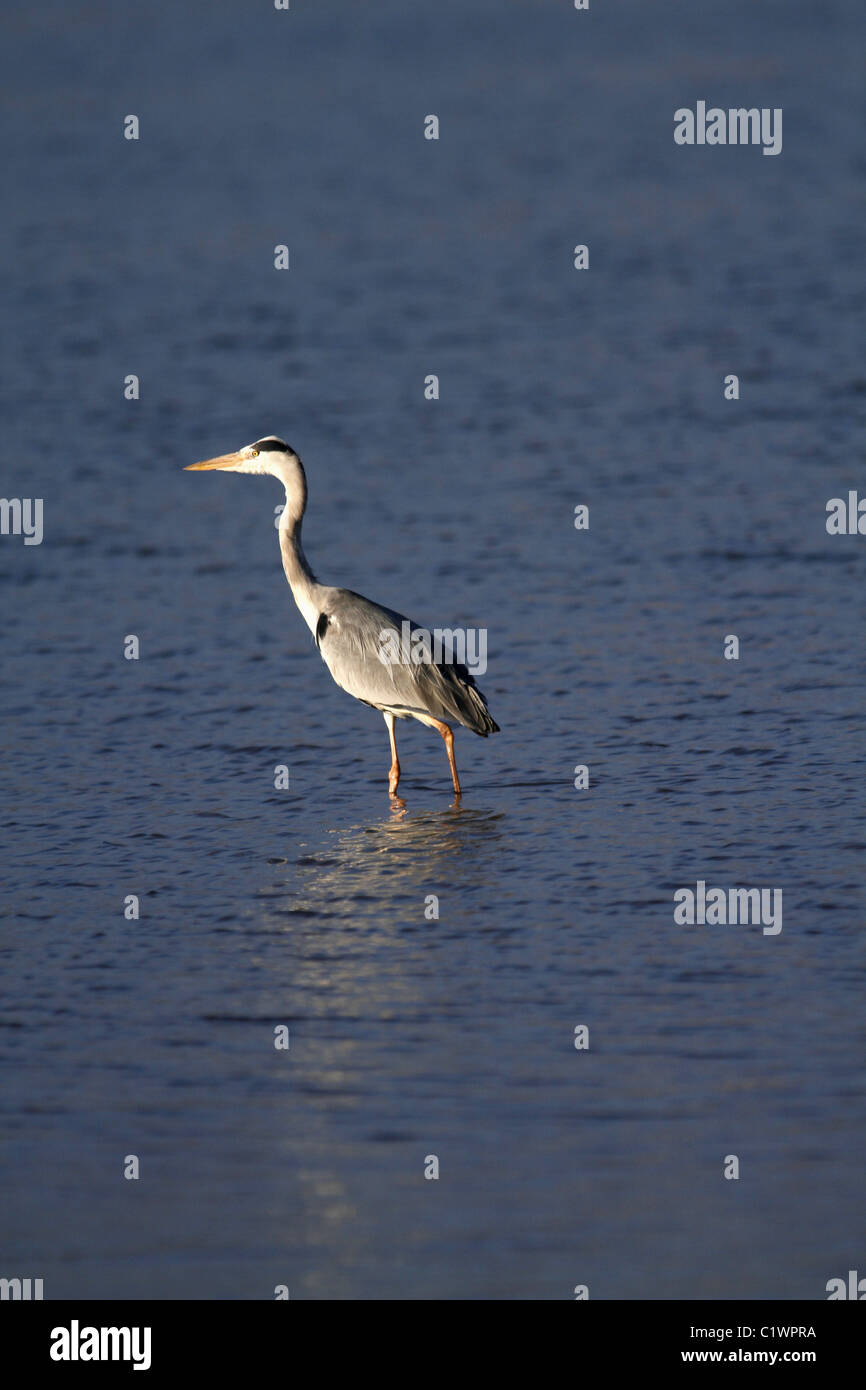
[(349, 636)]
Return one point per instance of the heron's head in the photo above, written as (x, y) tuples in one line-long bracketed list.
[(268, 455)]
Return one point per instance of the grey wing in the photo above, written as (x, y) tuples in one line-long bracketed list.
[(352, 636)]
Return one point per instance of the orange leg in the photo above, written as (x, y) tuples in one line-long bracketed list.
[(448, 736), (394, 774)]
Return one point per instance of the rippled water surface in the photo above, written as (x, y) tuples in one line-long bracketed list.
[(306, 907)]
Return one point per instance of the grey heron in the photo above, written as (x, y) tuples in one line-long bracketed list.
[(348, 629)]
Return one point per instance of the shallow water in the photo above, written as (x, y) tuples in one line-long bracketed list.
[(306, 907)]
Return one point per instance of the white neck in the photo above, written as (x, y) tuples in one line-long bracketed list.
[(306, 590)]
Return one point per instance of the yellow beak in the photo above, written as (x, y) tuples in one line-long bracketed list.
[(224, 461)]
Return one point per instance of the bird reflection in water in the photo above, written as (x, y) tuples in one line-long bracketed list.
[(377, 869)]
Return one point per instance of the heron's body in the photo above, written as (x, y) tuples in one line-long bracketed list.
[(348, 628)]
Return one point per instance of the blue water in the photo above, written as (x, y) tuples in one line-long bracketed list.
[(412, 1037)]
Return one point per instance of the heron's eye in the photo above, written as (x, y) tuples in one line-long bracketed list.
[(254, 453)]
